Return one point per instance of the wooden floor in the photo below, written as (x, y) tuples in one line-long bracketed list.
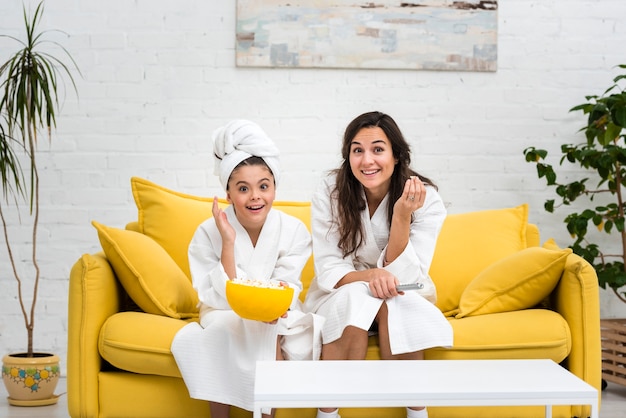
[(613, 404)]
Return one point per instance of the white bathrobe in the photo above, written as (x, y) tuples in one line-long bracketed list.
[(415, 323), (217, 358)]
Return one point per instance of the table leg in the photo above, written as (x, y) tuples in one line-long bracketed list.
[(548, 411), (594, 411), (257, 412)]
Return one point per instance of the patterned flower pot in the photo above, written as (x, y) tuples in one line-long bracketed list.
[(31, 381)]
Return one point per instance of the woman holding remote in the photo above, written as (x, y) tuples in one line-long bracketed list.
[(375, 224)]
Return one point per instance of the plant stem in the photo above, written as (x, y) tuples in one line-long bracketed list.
[(34, 173), (17, 277)]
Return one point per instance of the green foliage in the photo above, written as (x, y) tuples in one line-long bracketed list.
[(29, 85), (10, 170), (603, 155), (29, 99)]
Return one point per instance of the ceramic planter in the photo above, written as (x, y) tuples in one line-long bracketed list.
[(31, 381)]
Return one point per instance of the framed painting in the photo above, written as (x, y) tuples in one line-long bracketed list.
[(417, 35)]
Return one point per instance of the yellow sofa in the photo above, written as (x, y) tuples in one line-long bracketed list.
[(504, 294)]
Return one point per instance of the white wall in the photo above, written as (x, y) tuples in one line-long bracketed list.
[(158, 76)]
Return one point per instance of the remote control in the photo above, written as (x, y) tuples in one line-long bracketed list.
[(410, 286)]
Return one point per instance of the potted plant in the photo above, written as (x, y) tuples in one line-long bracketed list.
[(29, 83), (603, 157)]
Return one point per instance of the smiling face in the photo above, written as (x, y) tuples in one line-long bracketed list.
[(251, 191), (372, 161)]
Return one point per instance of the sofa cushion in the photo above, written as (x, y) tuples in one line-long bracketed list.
[(519, 281), (529, 333), (129, 341), (147, 273), (171, 219), (468, 243)]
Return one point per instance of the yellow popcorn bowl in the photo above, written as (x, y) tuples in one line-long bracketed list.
[(258, 303)]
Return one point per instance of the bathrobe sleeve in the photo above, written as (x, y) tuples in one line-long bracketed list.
[(414, 262)]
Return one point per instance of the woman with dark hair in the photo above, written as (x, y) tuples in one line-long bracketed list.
[(375, 223)]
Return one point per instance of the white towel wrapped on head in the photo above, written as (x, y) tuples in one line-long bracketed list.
[(239, 140)]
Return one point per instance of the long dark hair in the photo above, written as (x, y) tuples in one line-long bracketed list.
[(348, 190)]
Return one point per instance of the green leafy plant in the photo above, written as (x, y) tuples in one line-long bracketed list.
[(603, 156), (29, 86)]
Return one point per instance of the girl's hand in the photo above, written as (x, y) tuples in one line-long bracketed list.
[(412, 197), (227, 231), (382, 284), (276, 320)]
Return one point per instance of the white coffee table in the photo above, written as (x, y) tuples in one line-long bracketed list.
[(368, 383)]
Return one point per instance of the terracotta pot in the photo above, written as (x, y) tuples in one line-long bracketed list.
[(31, 381)]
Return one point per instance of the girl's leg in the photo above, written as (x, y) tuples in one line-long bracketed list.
[(385, 348), (219, 410), (352, 345), (279, 350)]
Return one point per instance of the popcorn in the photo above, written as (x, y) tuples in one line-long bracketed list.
[(270, 284)]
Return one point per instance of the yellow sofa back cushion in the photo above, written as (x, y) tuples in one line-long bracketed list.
[(468, 243)]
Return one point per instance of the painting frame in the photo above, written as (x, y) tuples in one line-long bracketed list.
[(420, 35)]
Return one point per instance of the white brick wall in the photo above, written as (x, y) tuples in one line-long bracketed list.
[(158, 76)]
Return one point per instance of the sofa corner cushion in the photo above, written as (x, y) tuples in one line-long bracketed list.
[(468, 243), (529, 333), (139, 342), (519, 281), (169, 217), (147, 273)]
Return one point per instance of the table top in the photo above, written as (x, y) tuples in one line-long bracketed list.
[(467, 381)]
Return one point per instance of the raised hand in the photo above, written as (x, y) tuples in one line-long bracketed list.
[(412, 197), (226, 229)]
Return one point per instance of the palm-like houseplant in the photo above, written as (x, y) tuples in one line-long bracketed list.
[(29, 87), (603, 155)]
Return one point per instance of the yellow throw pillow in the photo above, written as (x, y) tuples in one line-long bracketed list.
[(147, 273), (468, 243), (520, 281), (170, 218)]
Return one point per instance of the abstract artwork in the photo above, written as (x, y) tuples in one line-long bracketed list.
[(417, 35)]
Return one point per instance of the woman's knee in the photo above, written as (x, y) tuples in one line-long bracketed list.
[(352, 333)]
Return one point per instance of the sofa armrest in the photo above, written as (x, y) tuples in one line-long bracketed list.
[(577, 299), (94, 295)]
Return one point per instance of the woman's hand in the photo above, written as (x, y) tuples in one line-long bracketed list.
[(227, 231), (412, 197), (382, 283)]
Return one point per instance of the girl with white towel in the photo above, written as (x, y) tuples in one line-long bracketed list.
[(246, 240), (375, 222)]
